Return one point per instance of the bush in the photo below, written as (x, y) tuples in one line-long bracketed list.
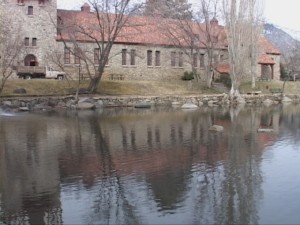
[(188, 76), (224, 79)]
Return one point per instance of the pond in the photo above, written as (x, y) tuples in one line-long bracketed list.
[(151, 166)]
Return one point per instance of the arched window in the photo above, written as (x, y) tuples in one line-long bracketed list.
[(30, 60)]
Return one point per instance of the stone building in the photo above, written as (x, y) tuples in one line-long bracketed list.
[(143, 54)]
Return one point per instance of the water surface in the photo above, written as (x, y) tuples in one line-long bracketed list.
[(150, 166)]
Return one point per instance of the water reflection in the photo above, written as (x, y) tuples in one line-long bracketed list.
[(129, 166)]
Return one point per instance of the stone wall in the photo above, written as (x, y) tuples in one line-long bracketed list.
[(139, 71), (68, 103), (41, 25)]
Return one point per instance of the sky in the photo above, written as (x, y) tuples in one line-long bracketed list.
[(284, 14)]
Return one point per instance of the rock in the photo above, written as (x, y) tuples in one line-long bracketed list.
[(142, 105), (85, 105), (176, 103), (24, 109), (189, 106), (265, 130), (286, 99), (7, 103), (99, 104), (20, 91), (268, 102), (216, 128)]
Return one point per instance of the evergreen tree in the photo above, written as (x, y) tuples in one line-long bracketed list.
[(174, 9)]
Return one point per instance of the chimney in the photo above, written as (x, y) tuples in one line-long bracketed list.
[(214, 22), (86, 8)]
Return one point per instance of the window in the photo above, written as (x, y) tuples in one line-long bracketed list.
[(195, 60), (132, 57), (149, 58), (20, 1), (67, 56), (76, 56), (180, 59), (30, 10), (173, 59), (34, 42), (41, 2), (216, 58), (157, 58), (202, 60), (26, 41), (124, 54), (97, 56), (221, 57)]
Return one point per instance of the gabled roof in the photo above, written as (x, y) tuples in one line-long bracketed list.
[(145, 30), (265, 59), (140, 30)]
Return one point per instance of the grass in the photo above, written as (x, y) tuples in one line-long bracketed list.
[(43, 87), (291, 87)]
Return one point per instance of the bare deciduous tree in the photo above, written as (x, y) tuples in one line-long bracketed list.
[(198, 37), (241, 18), (11, 47), (102, 27)]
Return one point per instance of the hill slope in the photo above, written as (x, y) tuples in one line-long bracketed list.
[(280, 39)]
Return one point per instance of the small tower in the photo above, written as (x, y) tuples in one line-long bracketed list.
[(36, 21)]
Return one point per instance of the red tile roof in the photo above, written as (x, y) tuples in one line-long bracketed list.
[(151, 31), (265, 59), (138, 30), (223, 68)]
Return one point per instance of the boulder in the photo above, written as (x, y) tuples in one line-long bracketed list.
[(20, 91), (265, 130), (268, 102), (85, 105), (216, 128), (189, 106), (24, 109), (144, 104), (286, 99)]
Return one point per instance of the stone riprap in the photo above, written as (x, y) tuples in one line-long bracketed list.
[(94, 102)]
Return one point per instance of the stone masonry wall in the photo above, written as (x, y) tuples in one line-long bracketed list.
[(41, 25), (16, 104)]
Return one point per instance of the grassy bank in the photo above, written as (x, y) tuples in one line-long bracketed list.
[(40, 87), (57, 87)]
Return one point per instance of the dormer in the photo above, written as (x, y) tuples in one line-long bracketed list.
[(86, 8)]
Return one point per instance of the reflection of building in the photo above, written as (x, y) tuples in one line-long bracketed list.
[(162, 150), (30, 184), (138, 53)]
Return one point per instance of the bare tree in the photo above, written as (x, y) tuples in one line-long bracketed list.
[(102, 27), (239, 17), (198, 37), (173, 9), (11, 47)]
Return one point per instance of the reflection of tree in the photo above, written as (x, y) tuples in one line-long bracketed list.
[(228, 193), (242, 180), (168, 188), (111, 202)]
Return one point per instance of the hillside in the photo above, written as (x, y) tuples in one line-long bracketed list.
[(280, 39)]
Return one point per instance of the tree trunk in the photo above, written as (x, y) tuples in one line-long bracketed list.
[(92, 89)]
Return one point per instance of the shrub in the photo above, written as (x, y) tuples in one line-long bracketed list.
[(188, 76), (225, 79)]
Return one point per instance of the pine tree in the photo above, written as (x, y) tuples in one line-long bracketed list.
[(174, 9)]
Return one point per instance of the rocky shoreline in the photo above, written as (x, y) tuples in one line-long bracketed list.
[(16, 104)]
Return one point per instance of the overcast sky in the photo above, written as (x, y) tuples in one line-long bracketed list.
[(283, 13)]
